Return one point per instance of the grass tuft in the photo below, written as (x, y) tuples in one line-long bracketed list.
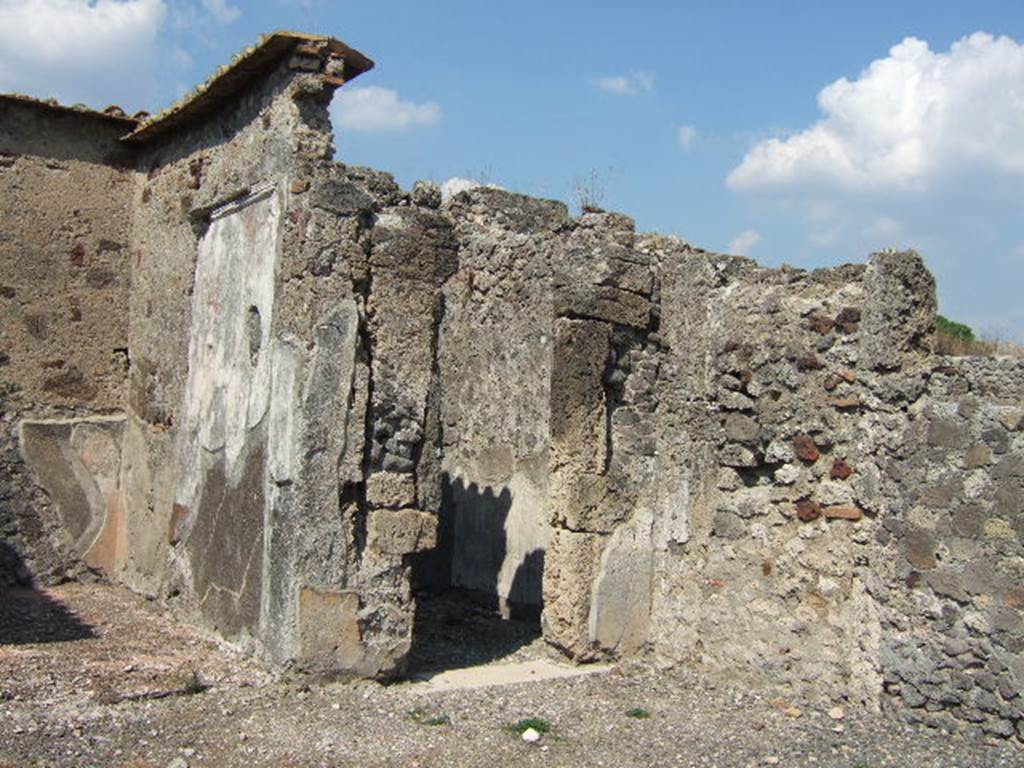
[(639, 713), (194, 685), (420, 716)]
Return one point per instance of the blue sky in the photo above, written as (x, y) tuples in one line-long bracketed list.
[(729, 124)]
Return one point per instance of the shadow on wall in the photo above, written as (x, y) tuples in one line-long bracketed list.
[(28, 616), (472, 545), (13, 570), (459, 607)]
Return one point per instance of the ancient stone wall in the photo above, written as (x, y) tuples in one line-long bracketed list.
[(66, 186), (950, 574), (338, 392)]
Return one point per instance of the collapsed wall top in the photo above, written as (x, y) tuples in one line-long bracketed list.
[(340, 65)]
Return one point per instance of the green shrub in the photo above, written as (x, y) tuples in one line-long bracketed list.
[(953, 329)]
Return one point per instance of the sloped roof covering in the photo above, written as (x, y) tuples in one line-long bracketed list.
[(112, 113), (231, 79)]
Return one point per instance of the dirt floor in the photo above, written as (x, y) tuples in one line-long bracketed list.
[(95, 676)]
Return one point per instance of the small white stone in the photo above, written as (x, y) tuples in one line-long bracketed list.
[(787, 474), (531, 736), (837, 713), (778, 451)]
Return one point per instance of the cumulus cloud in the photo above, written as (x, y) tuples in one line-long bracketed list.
[(222, 10), (456, 184), (744, 242), (374, 109), (686, 136), (79, 50), (625, 85), (907, 119)]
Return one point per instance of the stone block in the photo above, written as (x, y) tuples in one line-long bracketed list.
[(969, 521), (329, 633), (569, 570), (1012, 419), (740, 428), (342, 198), (979, 455), (392, 490), (997, 439), (621, 605), (728, 525), (426, 194), (946, 433), (898, 317), (400, 531), (603, 302), (733, 455), (919, 548), (578, 408)]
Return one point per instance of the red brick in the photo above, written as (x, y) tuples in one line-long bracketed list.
[(805, 449), (807, 511), (843, 513), (840, 470)]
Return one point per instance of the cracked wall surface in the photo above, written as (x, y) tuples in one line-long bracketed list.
[(285, 394)]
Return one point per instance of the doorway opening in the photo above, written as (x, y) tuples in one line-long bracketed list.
[(479, 592)]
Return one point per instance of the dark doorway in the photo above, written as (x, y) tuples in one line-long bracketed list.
[(462, 617)]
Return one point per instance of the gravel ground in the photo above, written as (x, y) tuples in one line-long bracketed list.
[(94, 676)]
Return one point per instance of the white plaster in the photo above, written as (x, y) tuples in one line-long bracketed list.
[(228, 390)]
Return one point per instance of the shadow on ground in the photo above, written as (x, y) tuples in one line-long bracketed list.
[(30, 616), (458, 621), (453, 630)]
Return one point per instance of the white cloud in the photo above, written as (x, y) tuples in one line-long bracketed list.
[(456, 184), (374, 109), (907, 119), (686, 136), (77, 49), (625, 85), (222, 10), (744, 242)]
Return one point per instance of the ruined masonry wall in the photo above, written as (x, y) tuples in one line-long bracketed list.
[(66, 187), (950, 580), (338, 392)]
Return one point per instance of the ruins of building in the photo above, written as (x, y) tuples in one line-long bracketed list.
[(290, 393)]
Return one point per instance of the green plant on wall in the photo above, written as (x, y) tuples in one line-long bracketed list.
[(951, 328)]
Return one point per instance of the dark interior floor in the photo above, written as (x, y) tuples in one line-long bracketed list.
[(453, 630)]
